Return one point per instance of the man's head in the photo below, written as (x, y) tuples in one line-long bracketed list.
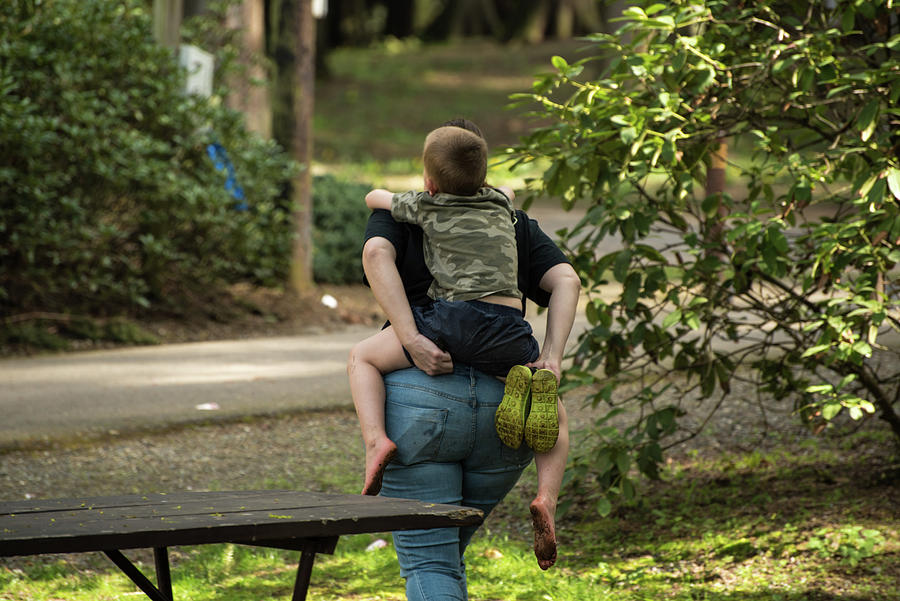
[(455, 161), (465, 124)]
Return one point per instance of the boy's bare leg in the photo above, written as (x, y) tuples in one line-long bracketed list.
[(369, 360), (551, 467)]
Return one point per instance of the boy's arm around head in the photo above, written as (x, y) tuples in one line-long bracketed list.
[(564, 287), (379, 256), (379, 199)]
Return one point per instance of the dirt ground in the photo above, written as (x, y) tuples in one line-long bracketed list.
[(253, 312)]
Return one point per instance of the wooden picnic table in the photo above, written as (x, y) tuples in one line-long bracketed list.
[(309, 522)]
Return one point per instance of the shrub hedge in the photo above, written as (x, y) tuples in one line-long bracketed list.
[(109, 200), (339, 223)]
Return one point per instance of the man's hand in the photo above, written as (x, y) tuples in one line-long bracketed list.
[(428, 357), (553, 366)]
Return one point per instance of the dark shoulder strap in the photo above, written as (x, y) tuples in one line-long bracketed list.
[(523, 246)]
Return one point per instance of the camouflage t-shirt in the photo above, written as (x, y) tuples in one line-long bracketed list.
[(470, 242)]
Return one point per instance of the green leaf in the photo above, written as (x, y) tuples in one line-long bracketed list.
[(829, 410), (692, 320), (815, 350), (628, 135), (628, 490), (848, 19), (877, 192), (845, 380), (604, 507), (893, 181), (620, 268), (866, 120), (623, 462), (819, 388), (710, 204), (862, 348), (560, 63), (663, 22), (592, 313), (671, 319), (632, 289)]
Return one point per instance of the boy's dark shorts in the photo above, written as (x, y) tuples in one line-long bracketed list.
[(487, 336)]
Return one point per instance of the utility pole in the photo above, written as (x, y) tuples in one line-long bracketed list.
[(304, 30)]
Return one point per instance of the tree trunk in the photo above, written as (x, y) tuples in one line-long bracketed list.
[(565, 19), (715, 174), (193, 8), (400, 18), (292, 43), (301, 147), (715, 185), (536, 30), (167, 15), (244, 95)]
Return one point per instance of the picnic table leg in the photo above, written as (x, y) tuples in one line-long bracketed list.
[(136, 576), (304, 573), (163, 575)]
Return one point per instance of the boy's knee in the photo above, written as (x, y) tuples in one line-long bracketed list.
[(357, 355)]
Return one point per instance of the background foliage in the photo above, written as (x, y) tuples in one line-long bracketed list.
[(339, 225), (788, 278), (109, 200)]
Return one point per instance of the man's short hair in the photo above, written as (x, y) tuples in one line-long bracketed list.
[(455, 160)]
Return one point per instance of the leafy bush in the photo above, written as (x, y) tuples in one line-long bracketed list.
[(108, 198), (787, 278), (339, 223)]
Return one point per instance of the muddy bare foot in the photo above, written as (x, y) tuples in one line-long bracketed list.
[(377, 460), (544, 533)]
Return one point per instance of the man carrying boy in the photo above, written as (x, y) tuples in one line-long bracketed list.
[(470, 250)]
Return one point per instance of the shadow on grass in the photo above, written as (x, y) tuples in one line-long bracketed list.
[(819, 525)]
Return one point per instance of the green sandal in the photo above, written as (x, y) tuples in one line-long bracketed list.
[(542, 426), (510, 417)]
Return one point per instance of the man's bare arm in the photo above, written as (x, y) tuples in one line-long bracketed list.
[(564, 287), (379, 257)]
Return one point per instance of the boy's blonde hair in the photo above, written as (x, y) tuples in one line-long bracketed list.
[(455, 160)]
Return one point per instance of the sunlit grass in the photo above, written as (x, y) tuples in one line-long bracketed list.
[(792, 521)]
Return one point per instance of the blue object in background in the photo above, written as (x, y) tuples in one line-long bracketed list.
[(222, 163)]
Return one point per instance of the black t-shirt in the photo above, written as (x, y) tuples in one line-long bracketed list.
[(537, 254)]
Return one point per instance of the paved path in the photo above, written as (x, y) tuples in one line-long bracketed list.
[(92, 393), (97, 391)]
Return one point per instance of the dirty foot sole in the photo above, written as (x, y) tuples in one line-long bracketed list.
[(375, 466), (542, 426), (510, 417), (544, 535)]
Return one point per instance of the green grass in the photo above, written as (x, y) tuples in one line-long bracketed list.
[(798, 520), (376, 105)]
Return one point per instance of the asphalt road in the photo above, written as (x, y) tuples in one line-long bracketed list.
[(95, 392)]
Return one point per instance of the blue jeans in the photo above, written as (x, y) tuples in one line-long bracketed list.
[(447, 452)]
